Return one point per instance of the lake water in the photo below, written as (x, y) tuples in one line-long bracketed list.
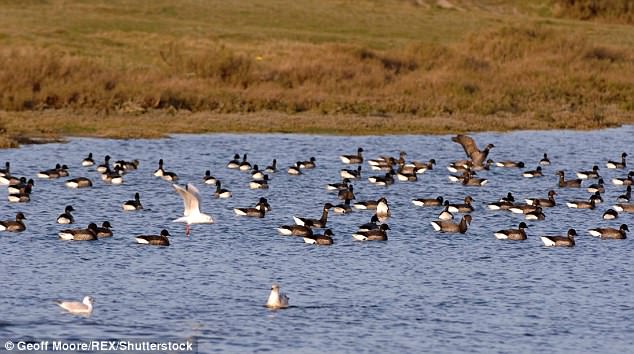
[(421, 291)]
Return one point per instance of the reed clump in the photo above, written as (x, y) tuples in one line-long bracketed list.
[(604, 10)]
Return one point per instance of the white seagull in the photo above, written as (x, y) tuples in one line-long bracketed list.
[(191, 201), (277, 300), (76, 307)]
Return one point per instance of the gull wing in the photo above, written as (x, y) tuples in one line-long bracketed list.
[(191, 199), (468, 144)]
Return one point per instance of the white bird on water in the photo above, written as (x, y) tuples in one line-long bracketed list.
[(76, 307), (191, 201), (277, 300)]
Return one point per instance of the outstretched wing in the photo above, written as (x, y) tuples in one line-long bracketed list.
[(191, 199), (468, 144)]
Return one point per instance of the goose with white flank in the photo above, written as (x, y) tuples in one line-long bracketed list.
[(9, 180), (582, 204), (594, 173), (294, 170), (465, 207), (260, 184), (450, 227), (272, 168), (597, 197), (159, 171), (461, 178), (560, 241), (610, 233), (6, 171), (235, 163), (597, 187), (57, 172), (87, 234), (134, 204), (510, 164), (20, 187), (88, 161), (315, 223), (308, 164), (460, 166), (346, 193), (536, 214), (104, 230), (325, 239), (16, 225), (372, 225), (258, 211), (342, 208), (626, 197), (23, 196), (208, 178), (383, 209), (518, 234), (474, 181), (244, 165), (379, 234), (423, 202), (545, 161), (114, 176), (525, 208), (263, 203), (191, 203), (66, 217), (616, 164), (366, 205), (624, 207), (101, 168), (544, 202), (504, 203), (221, 192), (386, 180), (276, 299), (79, 182), (537, 172), (295, 230), (350, 174), (78, 308), (127, 165), (626, 181), (563, 183), (406, 176), (256, 173), (343, 185), (352, 159), (155, 240), (421, 167), (477, 156), (610, 214), (445, 214)]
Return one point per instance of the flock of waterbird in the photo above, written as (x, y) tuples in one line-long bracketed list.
[(464, 172)]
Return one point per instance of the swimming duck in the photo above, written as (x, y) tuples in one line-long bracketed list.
[(276, 299), (155, 240), (104, 230), (465, 207), (88, 161), (545, 161), (244, 165), (379, 234), (625, 198), (88, 234), (221, 192), (616, 164), (16, 225), (510, 164), (438, 201), (315, 223), (448, 226), (308, 164), (589, 174), (79, 182), (105, 165), (208, 178), (351, 159), (534, 173), (545, 203), (518, 234), (610, 214), (272, 168), (560, 241), (260, 184), (66, 217), (235, 163), (295, 230), (610, 233), (133, 204), (325, 239), (350, 174), (572, 183)]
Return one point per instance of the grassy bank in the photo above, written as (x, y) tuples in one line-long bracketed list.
[(124, 69)]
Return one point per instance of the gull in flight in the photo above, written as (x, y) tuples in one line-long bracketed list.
[(76, 307), (191, 201)]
